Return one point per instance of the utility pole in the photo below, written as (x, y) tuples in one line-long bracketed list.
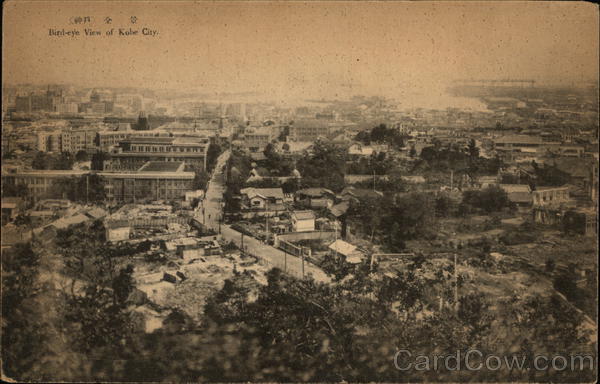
[(451, 179), (266, 221), (302, 252), (87, 188), (455, 284), (373, 179)]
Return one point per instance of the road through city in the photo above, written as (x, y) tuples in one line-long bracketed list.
[(213, 208)]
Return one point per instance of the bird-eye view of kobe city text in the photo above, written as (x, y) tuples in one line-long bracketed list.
[(299, 191)]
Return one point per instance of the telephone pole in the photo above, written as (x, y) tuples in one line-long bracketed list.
[(87, 188), (373, 179), (455, 283), (267, 221)]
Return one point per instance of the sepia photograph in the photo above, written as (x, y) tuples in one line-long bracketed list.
[(299, 191)]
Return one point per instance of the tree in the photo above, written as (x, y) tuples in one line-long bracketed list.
[(98, 160), (19, 266), (290, 186), (549, 175), (395, 240), (64, 161), (40, 161), (212, 154), (24, 220), (81, 156), (473, 311), (123, 285), (429, 153), (414, 215), (325, 167), (228, 304), (443, 205), (405, 289), (472, 150), (201, 179), (8, 154), (285, 132), (490, 199), (270, 151), (14, 190), (381, 134), (33, 348), (273, 159), (369, 211), (413, 151), (574, 222)]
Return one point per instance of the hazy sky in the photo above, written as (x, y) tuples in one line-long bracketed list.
[(308, 49)]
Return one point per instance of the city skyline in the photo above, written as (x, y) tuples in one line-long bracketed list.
[(305, 50)]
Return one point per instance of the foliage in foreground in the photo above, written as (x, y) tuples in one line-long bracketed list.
[(286, 330)]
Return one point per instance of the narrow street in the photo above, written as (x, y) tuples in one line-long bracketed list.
[(212, 206), (211, 209)]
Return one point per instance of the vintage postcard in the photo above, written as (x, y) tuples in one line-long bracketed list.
[(287, 191)]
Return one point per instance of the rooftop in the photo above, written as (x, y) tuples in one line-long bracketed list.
[(162, 166), (303, 215), (113, 224), (342, 247), (66, 222), (263, 192), (512, 188), (518, 139), (96, 213), (11, 202), (314, 192), (149, 140), (361, 193), (339, 209), (310, 122)]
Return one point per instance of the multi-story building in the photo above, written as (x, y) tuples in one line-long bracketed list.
[(38, 102), (257, 138), (153, 181), (108, 139), (70, 108), (49, 141), (132, 153), (308, 130), (519, 147), (550, 196), (79, 140), (38, 182), (237, 110)]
